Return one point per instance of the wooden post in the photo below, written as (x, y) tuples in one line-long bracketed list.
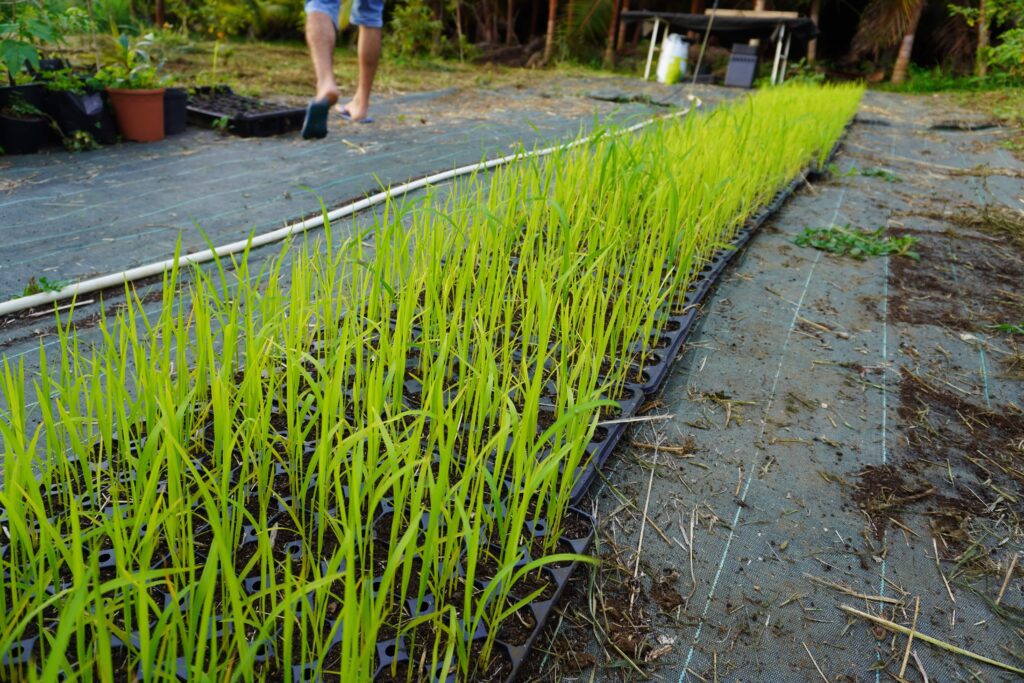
[(509, 22), (812, 45), (758, 7), (622, 27), (613, 29), (549, 41)]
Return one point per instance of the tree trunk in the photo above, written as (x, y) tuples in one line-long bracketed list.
[(899, 71), (980, 66), (458, 27), (812, 45), (549, 41), (495, 13), (158, 14), (622, 28), (483, 20), (510, 29), (613, 30)]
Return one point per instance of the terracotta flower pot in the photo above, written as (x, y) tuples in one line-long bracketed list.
[(139, 113)]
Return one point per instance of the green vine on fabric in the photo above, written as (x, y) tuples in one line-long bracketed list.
[(858, 244)]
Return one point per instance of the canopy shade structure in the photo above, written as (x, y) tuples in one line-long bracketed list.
[(736, 26), (740, 28)]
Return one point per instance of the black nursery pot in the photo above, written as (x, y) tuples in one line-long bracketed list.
[(74, 112), (175, 110), (32, 93), (23, 136)]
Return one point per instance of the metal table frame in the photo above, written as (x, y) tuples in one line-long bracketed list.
[(781, 37)]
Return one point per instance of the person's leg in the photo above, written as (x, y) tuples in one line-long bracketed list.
[(321, 36), (368, 15), (369, 57)]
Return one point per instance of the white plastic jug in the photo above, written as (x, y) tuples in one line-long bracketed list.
[(672, 61)]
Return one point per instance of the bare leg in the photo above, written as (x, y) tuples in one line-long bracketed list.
[(321, 36), (369, 57)]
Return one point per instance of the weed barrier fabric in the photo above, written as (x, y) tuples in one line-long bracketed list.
[(793, 338), (75, 216)]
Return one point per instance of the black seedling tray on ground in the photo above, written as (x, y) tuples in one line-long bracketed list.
[(543, 609), (674, 334), (633, 397), (246, 116)]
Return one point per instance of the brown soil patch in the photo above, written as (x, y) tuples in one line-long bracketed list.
[(971, 456), (961, 282), (882, 492)]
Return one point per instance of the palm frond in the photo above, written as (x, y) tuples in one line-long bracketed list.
[(882, 24), (586, 22)]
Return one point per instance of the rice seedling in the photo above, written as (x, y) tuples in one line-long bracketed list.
[(355, 462)]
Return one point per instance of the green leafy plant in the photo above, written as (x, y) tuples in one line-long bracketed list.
[(1007, 55), (883, 173), (29, 28), (132, 69), (24, 26), (79, 141), (1009, 328), (221, 124), (801, 71), (211, 77), (415, 31), (858, 244), (18, 108), (66, 80), (833, 170), (43, 284)]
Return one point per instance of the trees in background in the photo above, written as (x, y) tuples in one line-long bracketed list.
[(979, 36)]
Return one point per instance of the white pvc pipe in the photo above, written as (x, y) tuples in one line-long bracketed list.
[(650, 50), (160, 267)]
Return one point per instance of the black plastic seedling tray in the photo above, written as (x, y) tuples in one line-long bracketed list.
[(600, 450), (678, 326), (675, 331), (244, 116)]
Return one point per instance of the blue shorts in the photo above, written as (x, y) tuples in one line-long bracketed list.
[(368, 13)]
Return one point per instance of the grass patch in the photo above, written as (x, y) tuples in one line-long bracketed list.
[(1009, 328), (883, 173), (857, 244), (283, 68)]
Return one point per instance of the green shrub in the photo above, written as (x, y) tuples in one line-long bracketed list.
[(414, 31)]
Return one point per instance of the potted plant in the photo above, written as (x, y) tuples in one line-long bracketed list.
[(135, 91), (24, 128), (76, 108), (22, 27)]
